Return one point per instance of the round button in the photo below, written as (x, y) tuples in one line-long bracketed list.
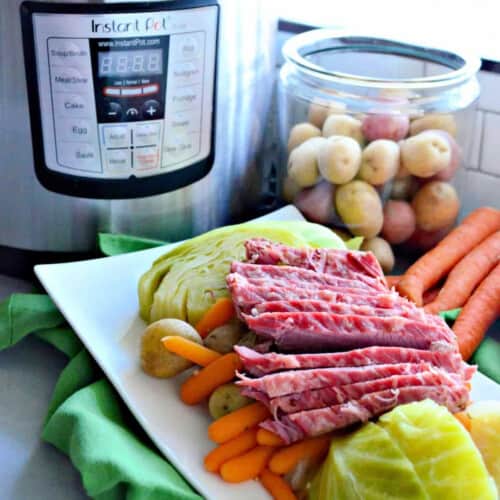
[(189, 47), (113, 111), (151, 109)]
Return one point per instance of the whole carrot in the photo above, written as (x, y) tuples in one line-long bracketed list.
[(436, 263), (234, 423), (276, 486), (430, 295), (392, 280), (219, 314), (479, 312), (230, 449), (190, 350), (247, 466), (467, 274), (199, 386)]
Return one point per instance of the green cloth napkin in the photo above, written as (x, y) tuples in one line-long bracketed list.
[(86, 418)]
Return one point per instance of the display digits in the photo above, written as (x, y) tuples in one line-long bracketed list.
[(106, 64), (122, 64), (154, 62), (138, 64)]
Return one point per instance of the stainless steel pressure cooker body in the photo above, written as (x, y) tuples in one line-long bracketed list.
[(135, 117)]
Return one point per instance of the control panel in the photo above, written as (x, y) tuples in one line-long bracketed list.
[(125, 95)]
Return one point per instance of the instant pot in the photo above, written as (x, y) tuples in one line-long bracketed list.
[(142, 118)]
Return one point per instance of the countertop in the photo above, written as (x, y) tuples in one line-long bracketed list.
[(29, 467)]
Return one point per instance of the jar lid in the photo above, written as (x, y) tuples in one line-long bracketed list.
[(299, 50)]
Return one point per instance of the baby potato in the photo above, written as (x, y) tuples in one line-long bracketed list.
[(425, 154), (155, 359), (434, 121), (436, 205), (425, 240), (320, 109), (290, 189), (343, 125), (404, 189), (379, 162), (300, 133), (339, 159), (447, 173), (382, 250), (223, 338), (226, 399), (399, 221), (383, 126), (248, 339), (303, 162), (316, 203), (360, 208)]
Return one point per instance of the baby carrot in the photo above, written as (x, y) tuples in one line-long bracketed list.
[(231, 449), (199, 386), (467, 275), (464, 419), (247, 466), (268, 438), (430, 295), (229, 426), (436, 263), (277, 487), (479, 312), (285, 459), (190, 350), (219, 314)]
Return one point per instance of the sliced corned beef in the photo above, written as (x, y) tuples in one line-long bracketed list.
[(329, 396), (246, 296), (289, 382), (308, 423), (303, 276), (344, 263), (261, 364), (319, 331)]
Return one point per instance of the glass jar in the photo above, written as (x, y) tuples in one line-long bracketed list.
[(372, 134)]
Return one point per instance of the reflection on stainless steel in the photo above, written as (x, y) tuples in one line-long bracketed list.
[(33, 218)]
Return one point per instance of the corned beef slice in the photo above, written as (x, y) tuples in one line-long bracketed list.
[(261, 364), (296, 426), (325, 331), (246, 295), (304, 277), (343, 263), (290, 382)]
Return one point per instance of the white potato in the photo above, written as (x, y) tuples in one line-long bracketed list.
[(380, 162), (303, 162), (444, 122), (300, 133), (226, 399), (425, 154), (290, 189), (382, 250), (343, 125), (320, 109), (223, 338), (339, 159)]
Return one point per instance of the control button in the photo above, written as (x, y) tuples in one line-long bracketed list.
[(185, 98), (116, 136), (75, 130), (67, 52), (113, 111), (150, 89), (132, 114), (147, 134), (146, 158), (79, 156), (180, 147), (131, 91), (187, 46), (112, 91), (187, 73), (184, 121), (151, 109), (118, 161), (69, 79), (72, 105)]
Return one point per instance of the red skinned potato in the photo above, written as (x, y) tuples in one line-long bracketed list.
[(383, 126), (425, 240), (316, 203), (399, 221), (436, 205)]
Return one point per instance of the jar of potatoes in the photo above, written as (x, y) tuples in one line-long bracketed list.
[(373, 133)]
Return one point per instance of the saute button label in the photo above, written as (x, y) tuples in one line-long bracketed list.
[(79, 156), (116, 136)]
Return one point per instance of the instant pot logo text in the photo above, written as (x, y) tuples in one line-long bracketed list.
[(151, 24)]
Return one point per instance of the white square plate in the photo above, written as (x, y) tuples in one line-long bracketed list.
[(98, 298)]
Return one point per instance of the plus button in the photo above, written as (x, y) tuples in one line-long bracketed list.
[(151, 109)]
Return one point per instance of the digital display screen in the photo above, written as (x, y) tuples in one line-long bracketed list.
[(130, 63)]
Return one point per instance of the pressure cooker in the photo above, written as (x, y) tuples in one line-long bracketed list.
[(142, 118)]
